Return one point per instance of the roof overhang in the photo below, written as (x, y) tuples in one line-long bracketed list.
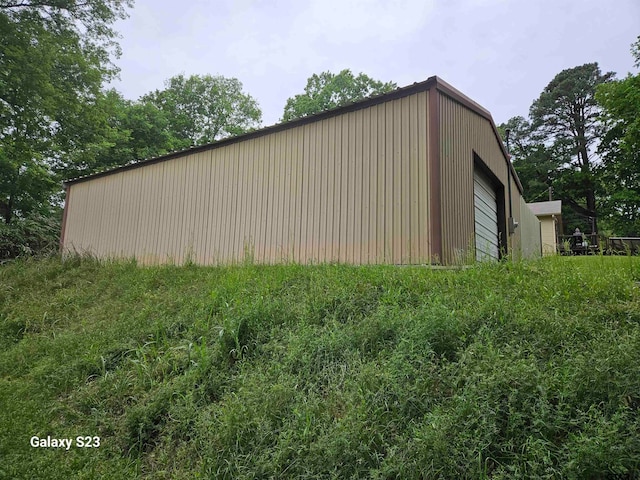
[(541, 209)]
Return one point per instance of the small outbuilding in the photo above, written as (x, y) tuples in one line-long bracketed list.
[(415, 176), (550, 216)]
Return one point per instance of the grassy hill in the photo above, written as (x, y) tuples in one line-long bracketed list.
[(511, 370)]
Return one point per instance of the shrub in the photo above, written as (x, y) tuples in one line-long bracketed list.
[(37, 235)]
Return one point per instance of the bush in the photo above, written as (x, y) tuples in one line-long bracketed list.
[(37, 235)]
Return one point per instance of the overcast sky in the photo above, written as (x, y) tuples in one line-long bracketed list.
[(501, 53)]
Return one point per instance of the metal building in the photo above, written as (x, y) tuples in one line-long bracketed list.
[(416, 176)]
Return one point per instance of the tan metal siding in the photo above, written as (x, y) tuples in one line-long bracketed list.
[(382, 204), (549, 234), (75, 209), (349, 188), (144, 223), (516, 239), (464, 132), (422, 188), (530, 233)]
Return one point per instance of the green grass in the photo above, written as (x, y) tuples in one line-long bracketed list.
[(510, 370)]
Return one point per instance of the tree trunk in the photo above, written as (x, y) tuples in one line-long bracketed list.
[(591, 206), (589, 187)]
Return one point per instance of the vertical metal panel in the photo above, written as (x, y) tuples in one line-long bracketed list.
[(97, 234), (174, 223), (95, 203), (231, 165), (356, 216), (285, 160), (388, 187), (158, 181), (289, 188), (207, 207), (92, 220), (424, 206), (202, 203), (163, 233), (74, 211), (434, 150), (236, 220), (248, 211), (234, 216), (530, 232), (129, 194), (354, 212), (313, 173), (337, 188), (348, 210), (194, 209), (96, 228), (228, 205), (188, 209), (81, 201), (343, 176), (350, 188), (260, 199), (207, 224), (145, 195), (180, 247), (150, 204), (118, 215), (331, 190), (303, 148), (405, 174), (463, 132), (224, 204), (278, 204), (396, 165), (383, 172), (368, 180), (414, 244), (317, 190), (322, 158), (298, 145)]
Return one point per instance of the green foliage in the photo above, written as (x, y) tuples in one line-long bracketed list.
[(34, 235), (205, 108), (54, 59), (620, 149), (567, 117), (123, 132), (327, 90), (505, 370), (554, 148), (537, 165)]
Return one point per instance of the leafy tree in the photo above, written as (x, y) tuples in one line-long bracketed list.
[(567, 117), (542, 169), (328, 90), (536, 165), (123, 132), (55, 56), (205, 108), (620, 148)]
